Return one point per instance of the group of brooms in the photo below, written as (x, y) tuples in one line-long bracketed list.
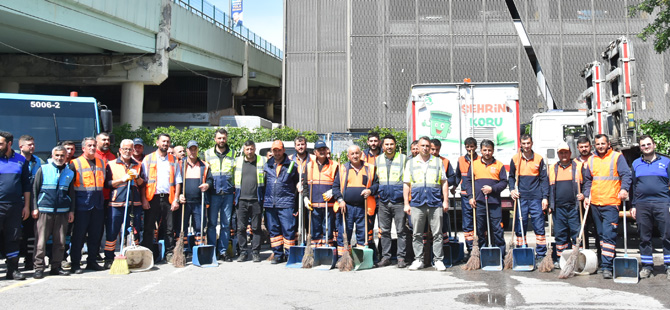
[(547, 264), (346, 263)]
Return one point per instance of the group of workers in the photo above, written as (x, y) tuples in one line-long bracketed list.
[(87, 195)]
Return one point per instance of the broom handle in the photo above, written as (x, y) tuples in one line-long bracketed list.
[(488, 221), (366, 222), (550, 220), (301, 226), (202, 219), (125, 215), (625, 231), (579, 206), (183, 192), (523, 236), (472, 182), (581, 230), (516, 201)]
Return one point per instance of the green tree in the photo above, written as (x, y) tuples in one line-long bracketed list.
[(659, 28), (660, 132)]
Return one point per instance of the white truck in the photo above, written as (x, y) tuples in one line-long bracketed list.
[(551, 127), (452, 112)]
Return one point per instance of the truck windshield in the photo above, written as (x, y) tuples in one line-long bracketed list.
[(75, 118)]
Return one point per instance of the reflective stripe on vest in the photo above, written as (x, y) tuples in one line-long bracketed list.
[(89, 179), (218, 166), (260, 162), (431, 178), (118, 197), (53, 195), (396, 172), (152, 163), (321, 181)]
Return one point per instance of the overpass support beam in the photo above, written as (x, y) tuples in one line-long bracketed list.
[(132, 103), (241, 84)]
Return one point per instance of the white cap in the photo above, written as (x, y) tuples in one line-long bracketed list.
[(563, 146)]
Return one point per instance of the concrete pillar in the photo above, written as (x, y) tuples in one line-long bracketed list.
[(132, 102), (9, 87), (270, 110)]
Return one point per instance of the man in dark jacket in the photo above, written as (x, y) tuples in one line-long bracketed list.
[(14, 186), (281, 177)]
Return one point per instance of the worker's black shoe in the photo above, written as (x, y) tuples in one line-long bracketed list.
[(384, 262), (256, 258), (108, 264), (39, 274), (15, 275), (77, 270), (94, 267), (13, 272), (277, 260), (607, 274), (58, 272), (242, 258)]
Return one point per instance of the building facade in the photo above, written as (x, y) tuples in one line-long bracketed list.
[(349, 64)]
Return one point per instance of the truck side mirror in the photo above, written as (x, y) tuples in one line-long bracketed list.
[(106, 119)]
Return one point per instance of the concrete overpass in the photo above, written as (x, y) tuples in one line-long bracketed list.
[(132, 43)]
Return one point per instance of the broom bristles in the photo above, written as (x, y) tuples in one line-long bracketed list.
[(473, 263), (178, 260), (308, 258), (547, 264), (119, 266), (569, 269), (272, 256), (346, 262), (509, 257)]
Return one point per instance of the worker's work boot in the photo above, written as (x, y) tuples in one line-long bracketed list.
[(645, 273), (607, 274), (13, 272)]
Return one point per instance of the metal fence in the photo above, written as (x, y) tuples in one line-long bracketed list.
[(397, 43), (222, 20)]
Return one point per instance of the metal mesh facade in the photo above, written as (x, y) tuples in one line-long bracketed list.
[(397, 43)]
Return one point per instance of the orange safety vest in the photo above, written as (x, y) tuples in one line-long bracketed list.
[(321, 181), (88, 179), (88, 183), (152, 162), (358, 181), (606, 182), (118, 195)]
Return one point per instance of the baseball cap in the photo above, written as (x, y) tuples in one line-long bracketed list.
[(139, 141), (563, 147), (277, 145), (191, 143), (319, 144)]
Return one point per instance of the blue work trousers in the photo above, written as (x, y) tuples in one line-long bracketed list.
[(647, 215), (220, 211), (281, 225), (532, 208), (606, 219)]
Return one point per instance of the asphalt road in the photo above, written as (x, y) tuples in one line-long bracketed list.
[(265, 286)]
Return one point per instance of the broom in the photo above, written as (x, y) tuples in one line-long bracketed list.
[(547, 264), (346, 263), (473, 262), (120, 264), (178, 260), (509, 257), (308, 258), (569, 269)]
